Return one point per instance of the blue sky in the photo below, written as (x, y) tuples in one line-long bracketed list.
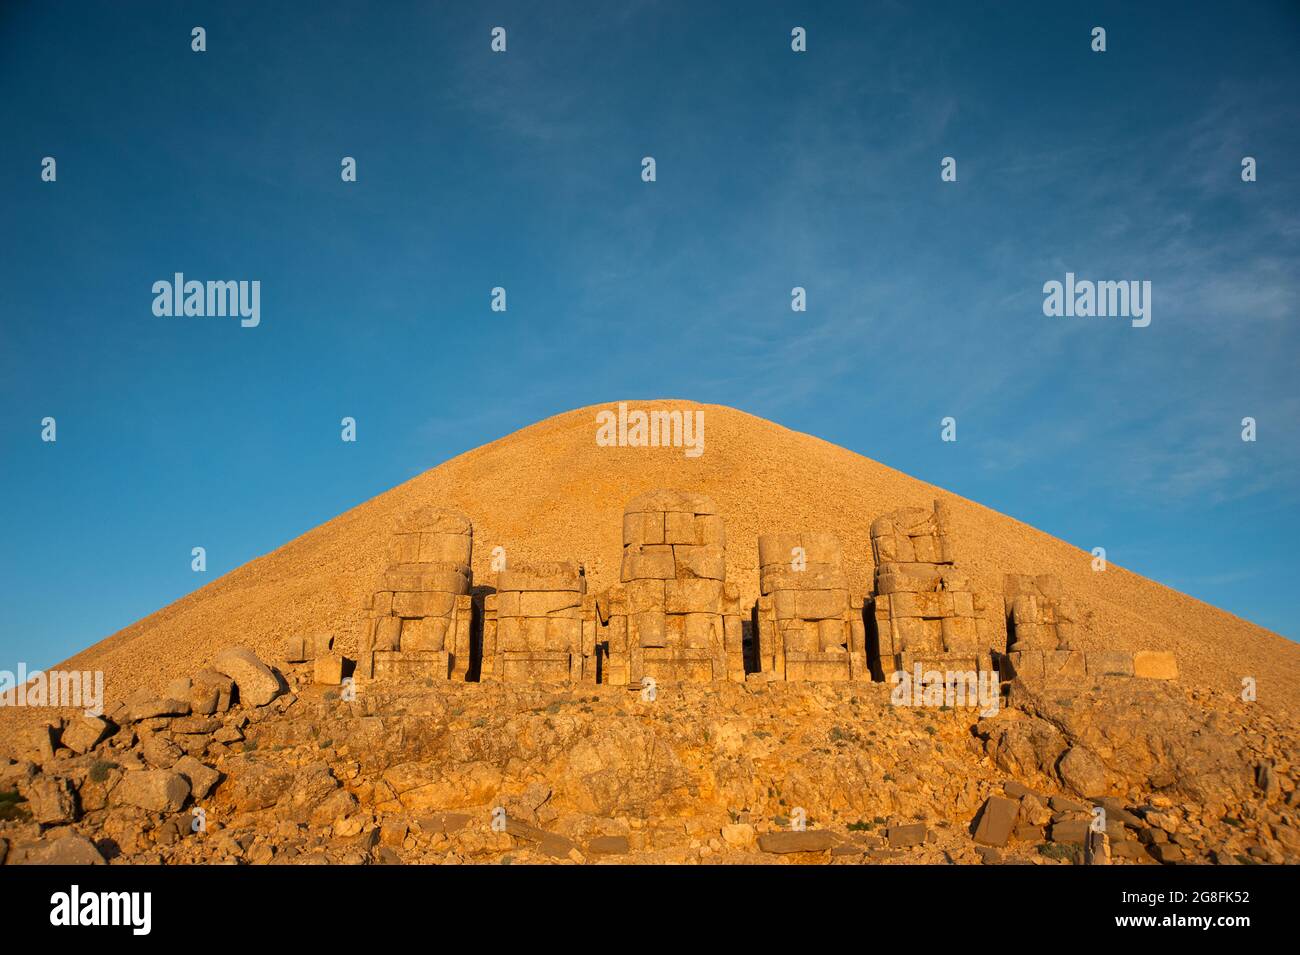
[(775, 169)]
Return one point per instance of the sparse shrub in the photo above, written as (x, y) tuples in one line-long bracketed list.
[(1061, 851), (11, 808)]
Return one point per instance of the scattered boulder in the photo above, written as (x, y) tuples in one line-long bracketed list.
[(1066, 804), (257, 683), (211, 692), (51, 800), (143, 705), (156, 790), (1082, 772), (904, 837), (1127, 849), (83, 734), (738, 835), (195, 725), (989, 855), (1168, 853), (551, 843), (70, 849), (201, 777), (337, 805), (159, 752), (1017, 790), (16, 773), (311, 786), (1071, 831), (41, 742), (393, 834), (997, 821), (228, 734)]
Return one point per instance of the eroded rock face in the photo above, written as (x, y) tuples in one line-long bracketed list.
[(1126, 734), (255, 784)]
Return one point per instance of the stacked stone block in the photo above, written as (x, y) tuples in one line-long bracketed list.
[(1042, 624), (673, 617), (421, 617), (925, 611), (809, 627), (1040, 630), (540, 626)]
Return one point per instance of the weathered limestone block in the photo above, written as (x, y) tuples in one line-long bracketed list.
[(692, 595), (1109, 663), (1037, 614), (912, 535), (924, 609), (411, 665), (649, 561), (51, 800), (210, 692), (806, 621), (328, 669), (83, 733), (156, 790), (1149, 664), (672, 617), (540, 625), (304, 648), (419, 578), (257, 683), (421, 616), (700, 560), (1045, 666), (559, 575), (422, 633), (997, 821), (431, 535)]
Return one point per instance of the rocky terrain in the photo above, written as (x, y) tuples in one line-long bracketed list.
[(271, 767)]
